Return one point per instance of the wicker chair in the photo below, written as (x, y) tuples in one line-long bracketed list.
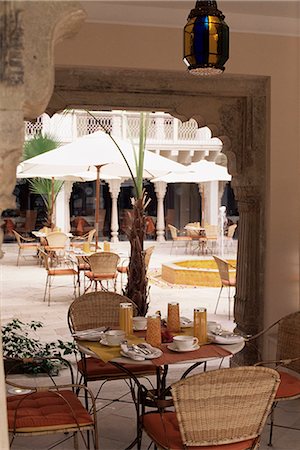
[(287, 360), (103, 269), (226, 280), (219, 409), (176, 239), (69, 270), (123, 268), (56, 245), (50, 409), (78, 241), (93, 310), (229, 241), (26, 244), (211, 235)]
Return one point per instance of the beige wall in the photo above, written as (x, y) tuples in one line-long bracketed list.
[(275, 56)]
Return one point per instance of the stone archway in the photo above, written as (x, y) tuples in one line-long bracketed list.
[(235, 108)]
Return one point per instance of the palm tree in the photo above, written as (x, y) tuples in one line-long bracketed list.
[(47, 189)]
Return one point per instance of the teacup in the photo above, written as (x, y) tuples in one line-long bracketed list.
[(183, 343), (213, 327), (114, 337), (139, 323)]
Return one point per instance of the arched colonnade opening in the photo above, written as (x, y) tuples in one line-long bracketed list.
[(235, 108)]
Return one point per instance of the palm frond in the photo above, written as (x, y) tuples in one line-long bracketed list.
[(43, 187), (40, 143)]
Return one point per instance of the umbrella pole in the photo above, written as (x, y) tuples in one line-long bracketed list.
[(97, 206), (52, 203)]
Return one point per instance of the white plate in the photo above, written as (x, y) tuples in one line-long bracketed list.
[(134, 358), (90, 335), (16, 391), (175, 349), (103, 341), (226, 340)]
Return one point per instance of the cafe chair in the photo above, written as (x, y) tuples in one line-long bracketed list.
[(83, 266), (177, 239), (25, 244), (228, 239), (287, 361), (216, 410), (92, 311), (67, 271), (53, 409), (79, 241), (103, 270), (55, 246), (211, 235), (227, 279)]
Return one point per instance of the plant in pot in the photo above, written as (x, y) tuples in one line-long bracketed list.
[(20, 341)]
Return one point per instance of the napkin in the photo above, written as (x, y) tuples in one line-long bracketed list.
[(130, 353), (93, 334)]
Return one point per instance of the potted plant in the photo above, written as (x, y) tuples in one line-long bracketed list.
[(20, 341)]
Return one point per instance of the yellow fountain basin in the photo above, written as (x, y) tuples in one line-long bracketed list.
[(194, 272)]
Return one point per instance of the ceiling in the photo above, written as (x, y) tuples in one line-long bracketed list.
[(269, 17)]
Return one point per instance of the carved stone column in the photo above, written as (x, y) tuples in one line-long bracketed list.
[(114, 189), (28, 33), (160, 189), (248, 312), (62, 207)]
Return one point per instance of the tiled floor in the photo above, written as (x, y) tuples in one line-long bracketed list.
[(21, 296)]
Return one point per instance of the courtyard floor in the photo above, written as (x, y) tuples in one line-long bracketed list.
[(22, 290)]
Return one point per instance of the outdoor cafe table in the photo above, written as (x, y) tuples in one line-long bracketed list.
[(205, 353)]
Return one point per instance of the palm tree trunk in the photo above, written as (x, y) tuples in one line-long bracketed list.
[(137, 286)]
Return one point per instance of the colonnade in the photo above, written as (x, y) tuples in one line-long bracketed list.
[(210, 194)]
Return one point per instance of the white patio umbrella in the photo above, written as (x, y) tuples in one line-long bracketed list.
[(94, 152), (199, 172), (37, 172)]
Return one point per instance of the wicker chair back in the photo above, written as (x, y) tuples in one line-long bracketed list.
[(224, 406), (288, 340), (57, 239), (96, 309), (223, 268), (173, 231), (148, 254), (104, 262)]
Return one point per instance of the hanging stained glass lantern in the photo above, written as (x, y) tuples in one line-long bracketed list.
[(206, 40)]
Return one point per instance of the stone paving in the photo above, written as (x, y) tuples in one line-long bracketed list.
[(22, 290)]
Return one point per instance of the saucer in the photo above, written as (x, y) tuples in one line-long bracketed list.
[(226, 339), (140, 329), (175, 349), (104, 342)]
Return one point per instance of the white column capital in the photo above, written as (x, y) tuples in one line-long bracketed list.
[(114, 187), (160, 188)]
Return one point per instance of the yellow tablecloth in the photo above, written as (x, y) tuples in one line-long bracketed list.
[(105, 352)]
